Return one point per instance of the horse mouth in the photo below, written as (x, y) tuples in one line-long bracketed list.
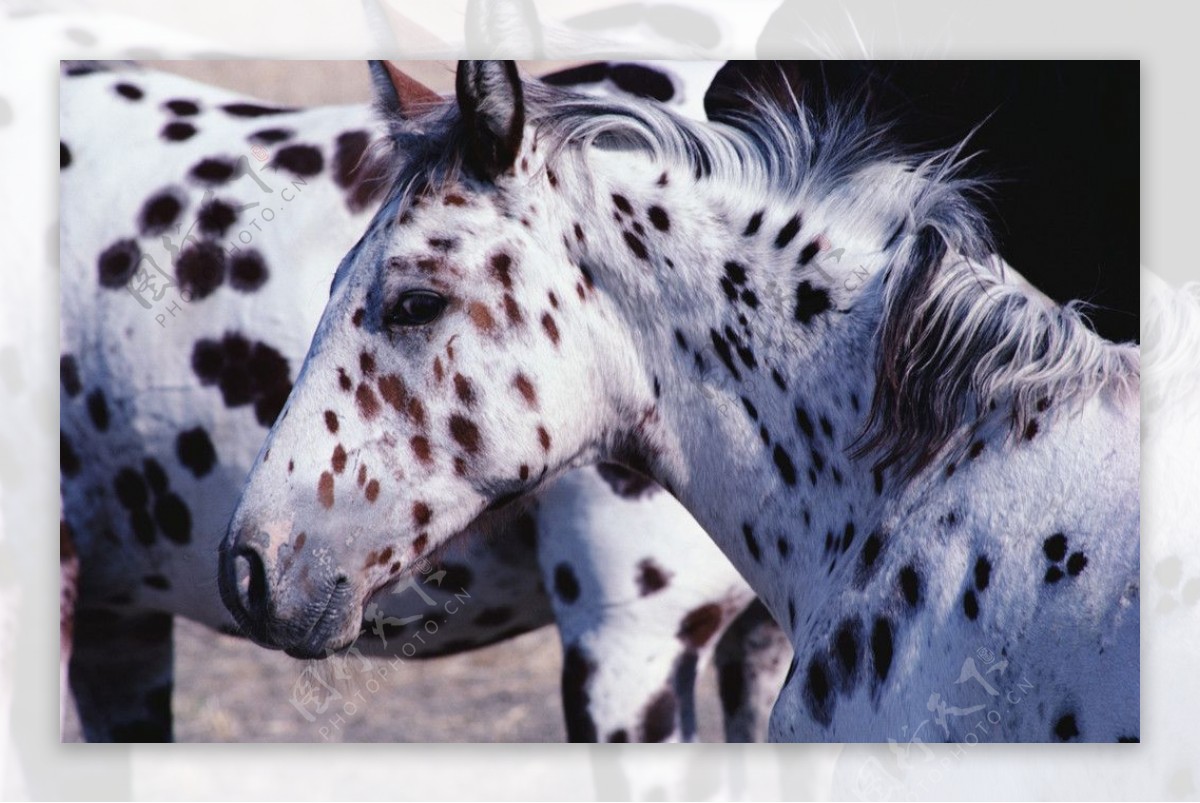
[(316, 642)]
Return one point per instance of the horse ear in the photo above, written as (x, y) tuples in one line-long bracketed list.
[(398, 95), (492, 103)]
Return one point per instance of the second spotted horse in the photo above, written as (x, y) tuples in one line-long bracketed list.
[(200, 229), (908, 468)]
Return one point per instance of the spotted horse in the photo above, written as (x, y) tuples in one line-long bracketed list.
[(795, 329), (246, 208)]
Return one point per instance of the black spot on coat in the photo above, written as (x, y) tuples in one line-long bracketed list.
[(910, 585), (784, 464), (97, 406), (1066, 728), (159, 213), (173, 518), (200, 269), (788, 232), (576, 675), (118, 263), (811, 301), (68, 375), (195, 451), (215, 217), (881, 647), (566, 585), (818, 696), (751, 543), (177, 131), (1055, 547), (301, 160), (971, 605), (983, 572), (658, 720), (247, 271), (253, 110)]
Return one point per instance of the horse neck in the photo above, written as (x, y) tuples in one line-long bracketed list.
[(756, 406)]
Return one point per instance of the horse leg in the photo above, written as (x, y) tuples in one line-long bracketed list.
[(751, 661), (121, 674)]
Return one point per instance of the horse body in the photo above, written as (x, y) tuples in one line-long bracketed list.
[(911, 458), (189, 296)]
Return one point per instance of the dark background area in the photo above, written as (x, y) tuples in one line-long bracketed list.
[(1057, 140)]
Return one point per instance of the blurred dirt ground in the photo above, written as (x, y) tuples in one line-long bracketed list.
[(229, 690)]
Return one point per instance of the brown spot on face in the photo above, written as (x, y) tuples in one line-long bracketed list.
[(513, 311), (368, 402), (357, 317), (421, 514), (1031, 429), (331, 421), (372, 490), (338, 461), (362, 475), (463, 389), (420, 447), (367, 363), (416, 411), (385, 556), (551, 328), (300, 539), (419, 543), (523, 472), (481, 316), (526, 389), (439, 372), (662, 180), (325, 490), (460, 467), (700, 625), (501, 267), (455, 200), (344, 380), (553, 300), (391, 388), (579, 290), (291, 466), (465, 433), (579, 233), (544, 439)]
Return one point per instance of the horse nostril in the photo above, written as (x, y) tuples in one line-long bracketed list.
[(251, 578)]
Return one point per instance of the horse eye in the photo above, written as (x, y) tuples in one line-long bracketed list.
[(415, 308)]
